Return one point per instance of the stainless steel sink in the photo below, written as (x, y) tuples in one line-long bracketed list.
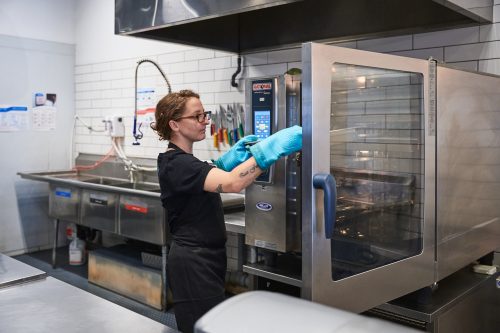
[(108, 201)]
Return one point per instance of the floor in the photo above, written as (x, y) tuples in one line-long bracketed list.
[(77, 276)]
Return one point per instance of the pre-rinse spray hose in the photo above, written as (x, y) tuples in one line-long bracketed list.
[(137, 130)]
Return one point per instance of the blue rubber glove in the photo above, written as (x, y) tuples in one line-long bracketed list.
[(236, 155), (281, 143)]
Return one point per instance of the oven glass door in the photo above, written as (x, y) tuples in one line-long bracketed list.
[(370, 141), (376, 155)]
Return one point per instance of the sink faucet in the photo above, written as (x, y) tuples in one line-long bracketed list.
[(137, 130), (131, 175)]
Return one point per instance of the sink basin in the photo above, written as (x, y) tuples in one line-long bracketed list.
[(140, 186), (104, 181), (71, 176), (115, 182), (86, 178)]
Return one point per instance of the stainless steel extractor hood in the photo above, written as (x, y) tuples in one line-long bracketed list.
[(248, 25)]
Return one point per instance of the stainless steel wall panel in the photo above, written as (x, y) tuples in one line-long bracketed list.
[(468, 168)]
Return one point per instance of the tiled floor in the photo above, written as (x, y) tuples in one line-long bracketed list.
[(77, 276)]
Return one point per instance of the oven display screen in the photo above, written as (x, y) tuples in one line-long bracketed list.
[(262, 123)]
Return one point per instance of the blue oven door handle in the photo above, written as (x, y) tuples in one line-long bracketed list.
[(327, 183)]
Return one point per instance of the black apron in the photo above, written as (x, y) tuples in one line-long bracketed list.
[(196, 276)]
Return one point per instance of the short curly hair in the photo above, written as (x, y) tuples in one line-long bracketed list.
[(170, 107)]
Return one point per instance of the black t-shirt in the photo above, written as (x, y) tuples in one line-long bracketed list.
[(195, 217)]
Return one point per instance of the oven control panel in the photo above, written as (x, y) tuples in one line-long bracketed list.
[(262, 117)]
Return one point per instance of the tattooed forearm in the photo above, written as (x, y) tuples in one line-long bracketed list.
[(219, 189), (249, 171)]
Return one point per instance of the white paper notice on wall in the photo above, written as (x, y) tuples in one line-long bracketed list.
[(14, 118), (146, 106), (44, 112)]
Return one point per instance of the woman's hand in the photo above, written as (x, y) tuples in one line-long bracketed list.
[(236, 155)]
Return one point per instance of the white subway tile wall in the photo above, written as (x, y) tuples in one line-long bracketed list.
[(435, 52), (444, 38), (389, 44), (107, 88)]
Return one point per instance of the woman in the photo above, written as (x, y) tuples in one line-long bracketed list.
[(190, 192)]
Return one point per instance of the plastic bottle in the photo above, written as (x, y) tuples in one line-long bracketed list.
[(76, 251)]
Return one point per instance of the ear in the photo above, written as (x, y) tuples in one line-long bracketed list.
[(173, 125)]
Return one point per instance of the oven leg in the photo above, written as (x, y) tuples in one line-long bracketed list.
[(242, 251), (54, 248)]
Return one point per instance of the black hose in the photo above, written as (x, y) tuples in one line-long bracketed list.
[(238, 70)]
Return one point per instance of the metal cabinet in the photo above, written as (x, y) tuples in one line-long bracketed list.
[(142, 218), (98, 210), (64, 202)]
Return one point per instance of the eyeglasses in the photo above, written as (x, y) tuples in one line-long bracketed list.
[(199, 117)]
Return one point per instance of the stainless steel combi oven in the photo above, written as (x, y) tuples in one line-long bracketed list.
[(398, 182)]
